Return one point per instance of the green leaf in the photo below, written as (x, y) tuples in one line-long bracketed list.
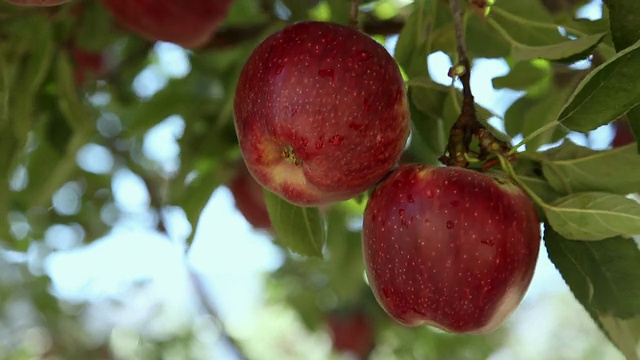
[(528, 114), (594, 216), (624, 19), (525, 75), (69, 101), (412, 47), (572, 168), (571, 50), (300, 229), (606, 93), (525, 22), (604, 276)]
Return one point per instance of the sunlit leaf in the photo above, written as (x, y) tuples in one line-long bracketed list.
[(605, 279), (594, 216), (573, 168), (607, 92)]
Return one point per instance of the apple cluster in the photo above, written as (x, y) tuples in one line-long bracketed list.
[(321, 115)]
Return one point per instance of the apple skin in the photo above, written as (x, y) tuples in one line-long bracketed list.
[(249, 198), (188, 23), (352, 333), (449, 247), (320, 113), (37, 2)]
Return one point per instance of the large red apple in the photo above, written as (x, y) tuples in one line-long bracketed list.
[(37, 2), (189, 23), (320, 113), (449, 247), (249, 198), (352, 333)]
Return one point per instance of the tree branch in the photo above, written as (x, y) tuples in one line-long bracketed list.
[(467, 124), (353, 13)]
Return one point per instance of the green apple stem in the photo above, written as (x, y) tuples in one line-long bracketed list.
[(539, 131), (353, 13), (508, 168), (467, 125)]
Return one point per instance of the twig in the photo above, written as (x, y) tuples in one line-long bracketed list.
[(353, 13), (467, 125)]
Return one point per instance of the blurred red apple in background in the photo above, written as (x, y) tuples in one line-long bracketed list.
[(249, 198), (352, 333), (188, 23), (623, 134), (38, 2), (320, 112), (88, 64), (449, 247)]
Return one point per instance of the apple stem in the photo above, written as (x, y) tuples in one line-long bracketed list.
[(353, 13), (467, 125)]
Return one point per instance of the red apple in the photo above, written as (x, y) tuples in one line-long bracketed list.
[(623, 135), (352, 333), (37, 2), (449, 247), (249, 198), (87, 64), (189, 23), (320, 113)]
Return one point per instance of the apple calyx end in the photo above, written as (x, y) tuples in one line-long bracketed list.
[(289, 155)]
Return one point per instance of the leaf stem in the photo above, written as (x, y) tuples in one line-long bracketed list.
[(508, 168), (529, 137)]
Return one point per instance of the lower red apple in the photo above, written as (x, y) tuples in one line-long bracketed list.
[(189, 23), (352, 333), (38, 2), (449, 247), (249, 198), (320, 113)]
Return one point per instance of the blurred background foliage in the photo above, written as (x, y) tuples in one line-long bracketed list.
[(100, 128)]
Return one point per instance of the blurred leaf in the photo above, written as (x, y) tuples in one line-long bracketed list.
[(606, 93), (572, 168), (68, 100), (624, 19), (525, 23), (339, 11), (594, 216), (412, 48), (605, 279), (525, 75), (569, 51), (528, 114), (484, 41), (300, 229)]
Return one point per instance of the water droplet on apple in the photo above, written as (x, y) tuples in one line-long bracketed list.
[(320, 143), (336, 140), (405, 222), (429, 193), (279, 69), (449, 224), (401, 212), (326, 73), (455, 203), (410, 198), (294, 110)]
